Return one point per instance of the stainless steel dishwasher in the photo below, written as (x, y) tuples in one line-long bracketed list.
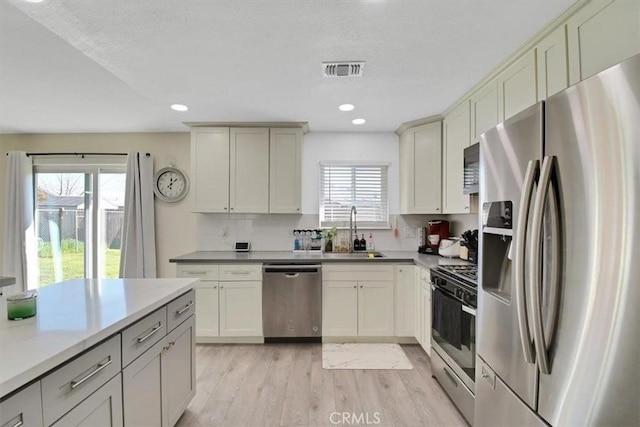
[(292, 302)]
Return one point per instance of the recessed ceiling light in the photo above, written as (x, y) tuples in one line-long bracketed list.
[(358, 121), (346, 107), (179, 107)]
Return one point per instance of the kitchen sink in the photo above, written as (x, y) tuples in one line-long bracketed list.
[(352, 255)]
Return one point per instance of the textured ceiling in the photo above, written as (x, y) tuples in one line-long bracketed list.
[(117, 65)]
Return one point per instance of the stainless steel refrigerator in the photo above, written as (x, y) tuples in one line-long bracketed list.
[(559, 274)]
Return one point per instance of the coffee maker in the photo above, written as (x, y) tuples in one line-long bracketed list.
[(431, 236)]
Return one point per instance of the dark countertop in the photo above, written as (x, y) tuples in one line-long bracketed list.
[(227, 257)]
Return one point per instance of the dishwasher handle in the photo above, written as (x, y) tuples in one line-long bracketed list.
[(291, 269)]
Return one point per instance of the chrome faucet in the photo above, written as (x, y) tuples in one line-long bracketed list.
[(353, 227)]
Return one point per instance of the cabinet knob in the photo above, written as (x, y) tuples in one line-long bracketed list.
[(221, 287), (466, 208), (354, 287), (215, 287), (225, 208), (361, 286), (298, 209), (437, 209), (231, 208)]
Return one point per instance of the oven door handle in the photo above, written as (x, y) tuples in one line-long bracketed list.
[(469, 310)]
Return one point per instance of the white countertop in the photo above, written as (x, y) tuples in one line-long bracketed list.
[(73, 316), (427, 261)]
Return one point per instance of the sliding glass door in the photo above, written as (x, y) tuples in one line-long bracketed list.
[(79, 218)]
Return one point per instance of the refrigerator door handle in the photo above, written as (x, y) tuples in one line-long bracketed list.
[(520, 243), (535, 280)]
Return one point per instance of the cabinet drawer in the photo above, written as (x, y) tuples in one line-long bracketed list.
[(24, 407), (243, 272), (70, 384), (140, 336), (180, 309), (360, 271), (199, 271)]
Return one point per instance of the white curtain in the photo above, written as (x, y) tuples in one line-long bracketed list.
[(20, 258), (138, 256)]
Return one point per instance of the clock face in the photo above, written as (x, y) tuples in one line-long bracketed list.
[(171, 184)]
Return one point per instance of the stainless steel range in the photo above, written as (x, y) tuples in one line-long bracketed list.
[(453, 333)]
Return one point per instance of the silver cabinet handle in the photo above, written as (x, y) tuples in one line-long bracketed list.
[(520, 242), (291, 275), (199, 273), (19, 422), (147, 336), (240, 272), (451, 377), (99, 367), (185, 308), (535, 296)]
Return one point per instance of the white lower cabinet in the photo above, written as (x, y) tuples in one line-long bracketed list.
[(240, 309), (340, 308), (23, 408), (142, 389), (425, 310), (358, 308), (178, 370), (228, 299), (207, 319), (375, 309), (405, 310), (101, 409), (158, 386), (363, 307)]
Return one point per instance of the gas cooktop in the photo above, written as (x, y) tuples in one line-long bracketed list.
[(467, 273)]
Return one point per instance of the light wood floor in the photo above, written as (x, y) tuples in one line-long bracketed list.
[(285, 385)]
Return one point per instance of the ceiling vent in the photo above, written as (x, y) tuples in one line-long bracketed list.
[(342, 69)]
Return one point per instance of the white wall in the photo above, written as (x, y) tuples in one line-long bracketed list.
[(325, 146)]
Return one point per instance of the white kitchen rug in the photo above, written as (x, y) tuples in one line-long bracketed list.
[(364, 356)]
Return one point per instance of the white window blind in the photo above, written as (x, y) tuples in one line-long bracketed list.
[(362, 186)]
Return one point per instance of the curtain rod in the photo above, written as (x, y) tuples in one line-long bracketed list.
[(80, 154)]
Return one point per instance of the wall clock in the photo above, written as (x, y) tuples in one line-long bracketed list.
[(170, 184)]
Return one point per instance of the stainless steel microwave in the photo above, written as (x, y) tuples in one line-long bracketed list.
[(472, 169)]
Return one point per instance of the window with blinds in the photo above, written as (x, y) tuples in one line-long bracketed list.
[(362, 186)]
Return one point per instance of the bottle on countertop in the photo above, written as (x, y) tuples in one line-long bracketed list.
[(356, 244), (370, 246), (363, 243)]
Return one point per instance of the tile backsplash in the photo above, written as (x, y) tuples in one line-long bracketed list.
[(219, 232)]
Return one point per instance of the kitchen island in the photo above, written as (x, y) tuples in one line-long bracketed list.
[(106, 322)]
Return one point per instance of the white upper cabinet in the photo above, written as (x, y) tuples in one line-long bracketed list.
[(456, 139), (600, 35), (517, 86), (249, 170), (484, 110), (551, 58), (246, 170), (210, 169), (285, 170), (421, 169)]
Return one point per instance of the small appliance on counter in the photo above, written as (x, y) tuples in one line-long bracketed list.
[(431, 235), (450, 247)]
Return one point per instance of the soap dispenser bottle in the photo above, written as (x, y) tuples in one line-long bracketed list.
[(363, 243), (370, 246)]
